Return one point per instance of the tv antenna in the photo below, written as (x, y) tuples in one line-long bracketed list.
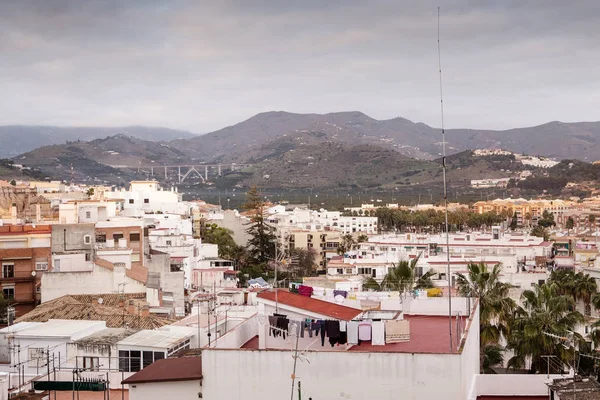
[(448, 275)]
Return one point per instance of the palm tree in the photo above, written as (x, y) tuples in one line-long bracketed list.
[(403, 276), (371, 284), (579, 286), (496, 309), (545, 311), (528, 218), (346, 244), (491, 356)]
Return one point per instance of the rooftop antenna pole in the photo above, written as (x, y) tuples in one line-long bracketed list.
[(448, 276)]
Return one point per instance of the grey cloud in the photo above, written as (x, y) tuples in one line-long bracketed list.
[(201, 65)]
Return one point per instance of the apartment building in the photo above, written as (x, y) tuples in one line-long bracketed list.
[(121, 235), (375, 257), (528, 211), (148, 197), (25, 254)]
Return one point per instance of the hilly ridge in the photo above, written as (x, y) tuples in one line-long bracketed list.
[(18, 139), (313, 150), (559, 140)]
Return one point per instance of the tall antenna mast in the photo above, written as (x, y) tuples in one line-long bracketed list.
[(448, 275)]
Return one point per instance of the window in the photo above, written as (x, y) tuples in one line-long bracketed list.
[(146, 201), (181, 346), (365, 271), (41, 266), (117, 236), (8, 293), (349, 271), (88, 214), (134, 237), (57, 264), (88, 257), (91, 363), (8, 270), (100, 237), (130, 201), (37, 357), (169, 243), (135, 360), (340, 271), (38, 289), (87, 239)]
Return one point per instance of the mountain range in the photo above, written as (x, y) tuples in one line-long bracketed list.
[(18, 139), (344, 149)]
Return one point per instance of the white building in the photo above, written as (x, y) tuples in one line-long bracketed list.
[(172, 378), (320, 220), (144, 347), (186, 252), (88, 211), (490, 183), (148, 197), (34, 345), (375, 257), (426, 366), (103, 277)]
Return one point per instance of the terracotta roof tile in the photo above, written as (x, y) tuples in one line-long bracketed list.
[(169, 370), (326, 308), (104, 263), (137, 273), (80, 307)]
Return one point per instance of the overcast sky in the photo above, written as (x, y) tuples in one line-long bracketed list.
[(201, 65)]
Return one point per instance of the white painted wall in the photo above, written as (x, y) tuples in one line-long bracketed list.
[(97, 281), (510, 384), (239, 335), (265, 375), (166, 390), (71, 263)]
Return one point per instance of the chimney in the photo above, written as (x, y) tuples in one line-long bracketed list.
[(13, 214), (131, 307), (145, 311)]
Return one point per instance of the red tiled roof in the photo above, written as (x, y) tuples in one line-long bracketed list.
[(313, 305), (169, 370), (137, 273), (104, 263)]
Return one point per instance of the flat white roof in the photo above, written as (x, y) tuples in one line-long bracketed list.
[(120, 222), (19, 327), (59, 328), (160, 339)]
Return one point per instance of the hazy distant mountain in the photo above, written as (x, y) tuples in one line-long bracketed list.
[(101, 158), (555, 139), (18, 139)]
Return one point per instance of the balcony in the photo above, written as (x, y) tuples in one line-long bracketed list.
[(17, 277)]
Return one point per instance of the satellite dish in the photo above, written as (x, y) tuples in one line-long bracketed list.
[(33, 273), (100, 300)]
